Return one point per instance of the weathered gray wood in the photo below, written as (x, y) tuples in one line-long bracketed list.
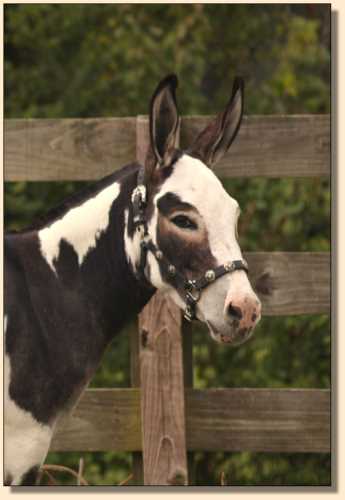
[(291, 282), (67, 149), (272, 146), (83, 149), (274, 420), (137, 456), (259, 420), (104, 419), (142, 138), (162, 394)]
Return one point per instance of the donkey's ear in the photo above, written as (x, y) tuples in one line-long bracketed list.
[(164, 120), (214, 141)]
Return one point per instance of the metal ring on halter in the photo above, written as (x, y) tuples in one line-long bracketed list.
[(193, 298)]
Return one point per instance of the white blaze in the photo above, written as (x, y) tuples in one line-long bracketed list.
[(217, 208), (196, 184)]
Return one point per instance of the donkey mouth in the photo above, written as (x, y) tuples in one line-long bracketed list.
[(234, 337)]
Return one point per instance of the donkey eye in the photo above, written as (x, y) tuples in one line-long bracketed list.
[(184, 222)]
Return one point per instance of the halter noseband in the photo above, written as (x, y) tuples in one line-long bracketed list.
[(192, 288)]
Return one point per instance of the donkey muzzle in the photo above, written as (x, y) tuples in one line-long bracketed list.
[(242, 313)]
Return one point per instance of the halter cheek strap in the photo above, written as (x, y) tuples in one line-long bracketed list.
[(192, 288)]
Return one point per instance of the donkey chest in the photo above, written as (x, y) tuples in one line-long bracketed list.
[(48, 367), (54, 336)]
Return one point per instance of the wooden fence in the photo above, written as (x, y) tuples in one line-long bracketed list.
[(162, 419)]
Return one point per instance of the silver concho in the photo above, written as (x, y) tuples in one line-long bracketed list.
[(159, 255), (171, 270), (210, 275), (229, 266)]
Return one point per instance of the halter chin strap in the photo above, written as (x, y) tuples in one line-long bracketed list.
[(192, 288)]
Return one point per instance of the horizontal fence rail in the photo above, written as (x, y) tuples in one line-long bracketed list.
[(271, 420), (85, 149), (291, 282)]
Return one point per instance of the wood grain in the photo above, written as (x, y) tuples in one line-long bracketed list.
[(104, 420), (291, 282), (67, 149), (272, 420), (272, 146), (137, 456), (84, 149), (162, 394), (259, 420)]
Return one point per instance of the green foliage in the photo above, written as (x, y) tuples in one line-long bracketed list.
[(283, 214), (104, 60), (294, 352), (86, 60), (263, 469)]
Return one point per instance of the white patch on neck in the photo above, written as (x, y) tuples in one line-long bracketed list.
[(132, 249), (81, 226)]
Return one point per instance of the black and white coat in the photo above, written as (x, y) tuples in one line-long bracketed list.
[(72, 282)]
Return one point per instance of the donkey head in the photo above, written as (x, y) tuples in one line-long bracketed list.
[(191, 221)]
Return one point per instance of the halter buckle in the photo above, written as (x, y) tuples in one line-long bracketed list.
[(193, 299), (189, 285), (188, 313)]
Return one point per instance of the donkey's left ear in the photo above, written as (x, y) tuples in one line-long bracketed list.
[(164, 120), (214, 141)]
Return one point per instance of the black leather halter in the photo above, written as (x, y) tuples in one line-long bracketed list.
[(192, 288)]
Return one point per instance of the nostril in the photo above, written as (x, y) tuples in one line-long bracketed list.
[(234, 311), (243, 332)]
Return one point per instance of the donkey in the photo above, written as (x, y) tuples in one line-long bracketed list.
[(74, 280)]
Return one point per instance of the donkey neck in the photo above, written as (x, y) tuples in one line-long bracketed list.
[(69, 289), (85, 249)]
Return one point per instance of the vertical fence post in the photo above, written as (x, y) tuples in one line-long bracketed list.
[(137, 456), (161, 379)]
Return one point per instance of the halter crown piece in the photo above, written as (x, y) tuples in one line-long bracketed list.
[(192, 288)]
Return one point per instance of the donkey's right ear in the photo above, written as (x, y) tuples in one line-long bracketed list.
[(164, 122), (214, 141)]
